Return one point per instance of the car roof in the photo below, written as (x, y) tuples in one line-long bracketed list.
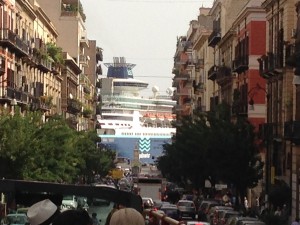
[(170, 206), (184, 200), (197, 223)]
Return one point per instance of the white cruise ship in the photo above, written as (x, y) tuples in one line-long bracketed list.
[(128, 119)]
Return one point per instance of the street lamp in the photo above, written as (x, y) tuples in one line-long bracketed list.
[(268, 133)]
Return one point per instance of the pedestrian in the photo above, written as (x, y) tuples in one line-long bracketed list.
[(246, 203), (95, 219), (73, 217), (42, 212), (296, 221), (127, 216)]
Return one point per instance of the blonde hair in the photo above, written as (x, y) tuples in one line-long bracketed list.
[(127, 216)]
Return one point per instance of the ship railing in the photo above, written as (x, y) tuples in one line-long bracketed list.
[(155, 217)]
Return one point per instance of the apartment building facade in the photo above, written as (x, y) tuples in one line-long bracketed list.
[(253, 66), (26, 75), (47, 62)]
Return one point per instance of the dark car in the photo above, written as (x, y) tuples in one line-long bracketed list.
[(171, 211), (213, 214), (186, 208), (225, 215), (204, 208)]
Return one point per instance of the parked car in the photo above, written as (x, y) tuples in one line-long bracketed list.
[(147, 202), (225, 214), (69, 202), (197, 223), (213, 214), (15, 219), (171, 211), (186, 208), (204, 208), (238, 220)]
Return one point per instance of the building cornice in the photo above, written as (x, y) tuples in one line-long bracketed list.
[(245, 13), (26, 6)]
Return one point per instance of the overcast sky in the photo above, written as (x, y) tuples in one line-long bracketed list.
[(143, 31)]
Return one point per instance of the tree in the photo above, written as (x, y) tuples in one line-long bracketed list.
[(52, 156), (97, 160), (211, 147), (15, 135), (33, 150)]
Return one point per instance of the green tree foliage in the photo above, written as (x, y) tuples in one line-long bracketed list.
[(15, 134), (211, 147), (51, 151), (96, 160)]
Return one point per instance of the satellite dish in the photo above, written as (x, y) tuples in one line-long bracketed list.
[(71, 96), (170, 91)]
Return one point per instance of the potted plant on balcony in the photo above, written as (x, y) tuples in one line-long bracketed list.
[(47, 100), (86, 112), (55, 53)]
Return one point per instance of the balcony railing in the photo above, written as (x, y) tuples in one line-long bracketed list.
[(199, 88), (270, 65), (212, 73), (73, 105), (240, 64), (214, 38), (44, 65), (292, 131), (10, 39)]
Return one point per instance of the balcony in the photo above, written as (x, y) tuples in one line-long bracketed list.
[(44, 64), (72, 8), (214, 38), (199, 64), (11, 40), (240, 64), (212, 73), (270, 65), (267, 131), (73, 106), (182, 76), (223, 74), (84, 60), (84, 42), (199, 88), (2, 67), (292, 131)]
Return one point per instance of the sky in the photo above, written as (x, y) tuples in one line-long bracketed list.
[(144, 32)]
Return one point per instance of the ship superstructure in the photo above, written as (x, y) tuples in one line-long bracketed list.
[(127, 118)]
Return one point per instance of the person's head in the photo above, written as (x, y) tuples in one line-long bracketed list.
[(73, 217), (42, 212), (127, 216)]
